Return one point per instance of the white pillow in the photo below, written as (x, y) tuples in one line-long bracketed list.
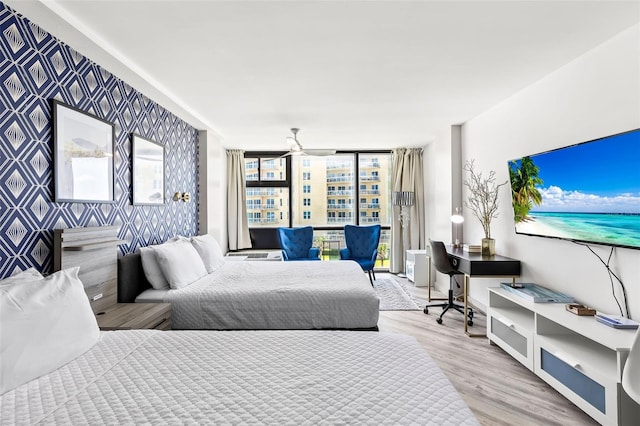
[(30, 273), (152, 270), (180, 263), (150, 265), (209, 251), (46, 323)]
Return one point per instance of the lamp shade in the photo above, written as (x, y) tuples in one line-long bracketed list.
[(402, 198), (457, 217)]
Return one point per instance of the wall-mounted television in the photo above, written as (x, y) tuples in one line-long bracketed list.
[(588, 192)]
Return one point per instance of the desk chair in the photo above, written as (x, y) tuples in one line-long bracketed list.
[(631, 373), (296, 244), (441, 261)]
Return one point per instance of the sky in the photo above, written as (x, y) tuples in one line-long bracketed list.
[(597, 176)]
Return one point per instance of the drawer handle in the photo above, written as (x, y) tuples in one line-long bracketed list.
[(159, 322), (567, 359), (505, 321)]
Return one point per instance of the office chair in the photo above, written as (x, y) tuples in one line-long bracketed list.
[(631, 372), (362, 246), (296, 244), (442, 264)]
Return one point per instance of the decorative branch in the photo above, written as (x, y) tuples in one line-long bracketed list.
[(483, 200)]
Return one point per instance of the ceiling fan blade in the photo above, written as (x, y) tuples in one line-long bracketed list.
[(320, 152)]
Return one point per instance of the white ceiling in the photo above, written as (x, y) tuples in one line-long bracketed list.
[(350, 74)]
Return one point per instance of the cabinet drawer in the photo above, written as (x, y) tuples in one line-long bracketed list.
[(578, 381), (513, 339)]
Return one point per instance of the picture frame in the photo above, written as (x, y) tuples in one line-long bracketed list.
[(147, 171), (83, 148)]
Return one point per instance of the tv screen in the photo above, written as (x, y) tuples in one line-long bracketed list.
[(589, 192)]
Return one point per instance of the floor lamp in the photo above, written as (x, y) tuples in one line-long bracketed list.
[(404, 199)]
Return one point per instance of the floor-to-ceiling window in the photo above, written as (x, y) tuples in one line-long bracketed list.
[(325, 192)]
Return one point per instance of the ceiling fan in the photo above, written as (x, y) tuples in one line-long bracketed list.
[(296, 147)]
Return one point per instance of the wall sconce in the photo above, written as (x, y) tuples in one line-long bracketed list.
[(185, 197)]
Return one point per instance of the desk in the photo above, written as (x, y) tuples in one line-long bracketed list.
[(477, 265)]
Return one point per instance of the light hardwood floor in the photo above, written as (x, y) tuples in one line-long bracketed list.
[(498, 389)]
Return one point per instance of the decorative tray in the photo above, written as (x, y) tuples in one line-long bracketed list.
[(580, 310)]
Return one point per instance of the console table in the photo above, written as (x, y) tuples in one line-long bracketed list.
[(477, 265), (579, 357)]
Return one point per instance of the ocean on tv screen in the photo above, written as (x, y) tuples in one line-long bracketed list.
[(587, 192)]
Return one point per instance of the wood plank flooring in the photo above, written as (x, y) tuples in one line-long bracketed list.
[(498, 389)]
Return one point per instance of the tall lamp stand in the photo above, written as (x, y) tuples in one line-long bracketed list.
[(403, 199)]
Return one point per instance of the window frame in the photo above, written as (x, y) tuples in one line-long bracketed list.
[(288, 182)]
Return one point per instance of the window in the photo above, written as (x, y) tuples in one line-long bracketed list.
[(347, 188), (267, 195)]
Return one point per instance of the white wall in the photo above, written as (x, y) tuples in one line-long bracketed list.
[(212, 186), (596, 95)]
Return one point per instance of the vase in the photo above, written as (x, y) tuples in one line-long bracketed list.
[(488, 246)]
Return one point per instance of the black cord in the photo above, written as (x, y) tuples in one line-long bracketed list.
[(611, 275)]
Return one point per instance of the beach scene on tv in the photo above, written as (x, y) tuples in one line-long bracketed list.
[(588, 192)]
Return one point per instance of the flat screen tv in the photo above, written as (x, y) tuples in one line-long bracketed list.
[(588, 192)]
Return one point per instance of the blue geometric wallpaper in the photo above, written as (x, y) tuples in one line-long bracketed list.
[(35, 68)]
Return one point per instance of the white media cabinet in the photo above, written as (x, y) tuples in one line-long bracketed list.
[(576, 355)]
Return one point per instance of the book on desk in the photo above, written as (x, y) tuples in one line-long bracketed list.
[(537, 294)]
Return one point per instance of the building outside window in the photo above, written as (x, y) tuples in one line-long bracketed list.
[(346, 188)]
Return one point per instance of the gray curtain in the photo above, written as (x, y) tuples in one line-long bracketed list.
[(237, 225), (407, 174)]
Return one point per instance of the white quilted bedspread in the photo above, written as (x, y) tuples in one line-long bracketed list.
[(277, 295), (242, 377)]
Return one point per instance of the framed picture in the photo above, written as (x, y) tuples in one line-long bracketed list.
[(148, 171), (83, 148)]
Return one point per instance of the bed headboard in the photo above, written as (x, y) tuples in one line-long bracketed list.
[(131, 278)]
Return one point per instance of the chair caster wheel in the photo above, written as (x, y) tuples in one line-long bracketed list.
[(426, 310), (470, 323), (439, 320)]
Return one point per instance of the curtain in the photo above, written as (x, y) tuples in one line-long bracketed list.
[(407, 174), (237, 224)]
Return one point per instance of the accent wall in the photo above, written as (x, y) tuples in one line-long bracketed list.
[(35, 68)]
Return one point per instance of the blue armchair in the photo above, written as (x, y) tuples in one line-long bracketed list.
[(296, 244), (362, 246)]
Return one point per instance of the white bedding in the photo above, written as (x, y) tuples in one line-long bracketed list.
[(274, 295), (265, 377)]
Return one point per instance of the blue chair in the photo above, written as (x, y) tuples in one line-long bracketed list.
[(362, 246), (296, 244)]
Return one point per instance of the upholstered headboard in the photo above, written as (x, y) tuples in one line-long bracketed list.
[(131, 278)]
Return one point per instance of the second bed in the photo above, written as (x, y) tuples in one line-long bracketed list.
[(260, 295)]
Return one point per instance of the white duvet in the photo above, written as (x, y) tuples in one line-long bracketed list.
[(277, 295), (242, 377)]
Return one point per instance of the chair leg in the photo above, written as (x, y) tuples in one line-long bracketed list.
[(374, 273), (370, 278)]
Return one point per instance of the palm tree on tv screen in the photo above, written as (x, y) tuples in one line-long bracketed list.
[(524, 194)]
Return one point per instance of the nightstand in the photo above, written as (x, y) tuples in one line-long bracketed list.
[(131, 316)]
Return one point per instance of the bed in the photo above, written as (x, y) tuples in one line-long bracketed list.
[(241, 377), (262, 295), (57, 367)]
